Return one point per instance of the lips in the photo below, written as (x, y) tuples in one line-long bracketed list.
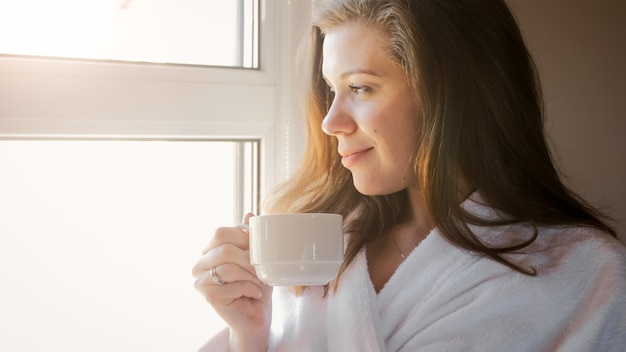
[(350, 156)]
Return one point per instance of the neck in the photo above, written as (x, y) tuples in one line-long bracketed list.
[(385, 254), (417, 212), (416, 215)]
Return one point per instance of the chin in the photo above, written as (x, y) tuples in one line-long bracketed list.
[(373, 189), (377, 186)]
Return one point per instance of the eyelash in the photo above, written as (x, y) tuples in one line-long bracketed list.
[(358, 89), (354, 88)]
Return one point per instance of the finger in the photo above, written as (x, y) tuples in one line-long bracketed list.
[(244, 227), (245, 223), (230, 235), (226, 253), (246, 218), (223, 296), (234, 273), (229, 273)]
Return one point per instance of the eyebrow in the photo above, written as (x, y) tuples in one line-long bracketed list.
[(358, 71)]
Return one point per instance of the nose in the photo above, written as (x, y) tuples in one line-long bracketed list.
[(338, 119)]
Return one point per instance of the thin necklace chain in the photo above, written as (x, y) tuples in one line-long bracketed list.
[(393, 238)]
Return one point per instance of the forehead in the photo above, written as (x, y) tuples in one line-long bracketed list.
[(355, 46)]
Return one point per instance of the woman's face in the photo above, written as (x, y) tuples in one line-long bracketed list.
[(374, 114)]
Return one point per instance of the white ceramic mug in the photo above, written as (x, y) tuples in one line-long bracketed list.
[(304, 249)]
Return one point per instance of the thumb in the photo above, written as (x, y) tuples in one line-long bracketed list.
[(246, 218)]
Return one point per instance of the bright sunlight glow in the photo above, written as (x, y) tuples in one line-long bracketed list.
[(203, 32), (98, 238)]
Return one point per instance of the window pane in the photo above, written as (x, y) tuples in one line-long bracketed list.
[(197, 32), (97, 241)]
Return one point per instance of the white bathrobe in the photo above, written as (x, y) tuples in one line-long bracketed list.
[(447, 299)]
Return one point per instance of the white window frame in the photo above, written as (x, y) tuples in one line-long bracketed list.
[(71, 99)]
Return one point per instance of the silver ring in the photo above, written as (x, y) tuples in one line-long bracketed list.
[(215, 277)]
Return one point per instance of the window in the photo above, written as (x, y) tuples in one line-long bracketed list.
[(153, 131), (99, 237), (209, 32)]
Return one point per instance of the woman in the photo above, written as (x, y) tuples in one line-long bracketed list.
[(426, 133)]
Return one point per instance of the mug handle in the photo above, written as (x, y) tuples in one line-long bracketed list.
[(243, 227)]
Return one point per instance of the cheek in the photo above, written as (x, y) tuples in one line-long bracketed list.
[(404, 139), (411, 125), (396, 123), (402, 152)]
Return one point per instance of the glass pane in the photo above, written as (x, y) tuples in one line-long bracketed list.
[(197, 32), (97, 241)]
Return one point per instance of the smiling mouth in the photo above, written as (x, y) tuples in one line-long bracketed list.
[(351, 158)]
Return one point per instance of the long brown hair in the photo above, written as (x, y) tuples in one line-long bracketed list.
[(482, 120)]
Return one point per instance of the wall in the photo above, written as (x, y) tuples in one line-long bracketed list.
[(580, 48)]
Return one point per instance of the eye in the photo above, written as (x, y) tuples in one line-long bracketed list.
[(356, 89)]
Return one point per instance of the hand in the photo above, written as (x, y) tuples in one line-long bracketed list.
[(241, 299)]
